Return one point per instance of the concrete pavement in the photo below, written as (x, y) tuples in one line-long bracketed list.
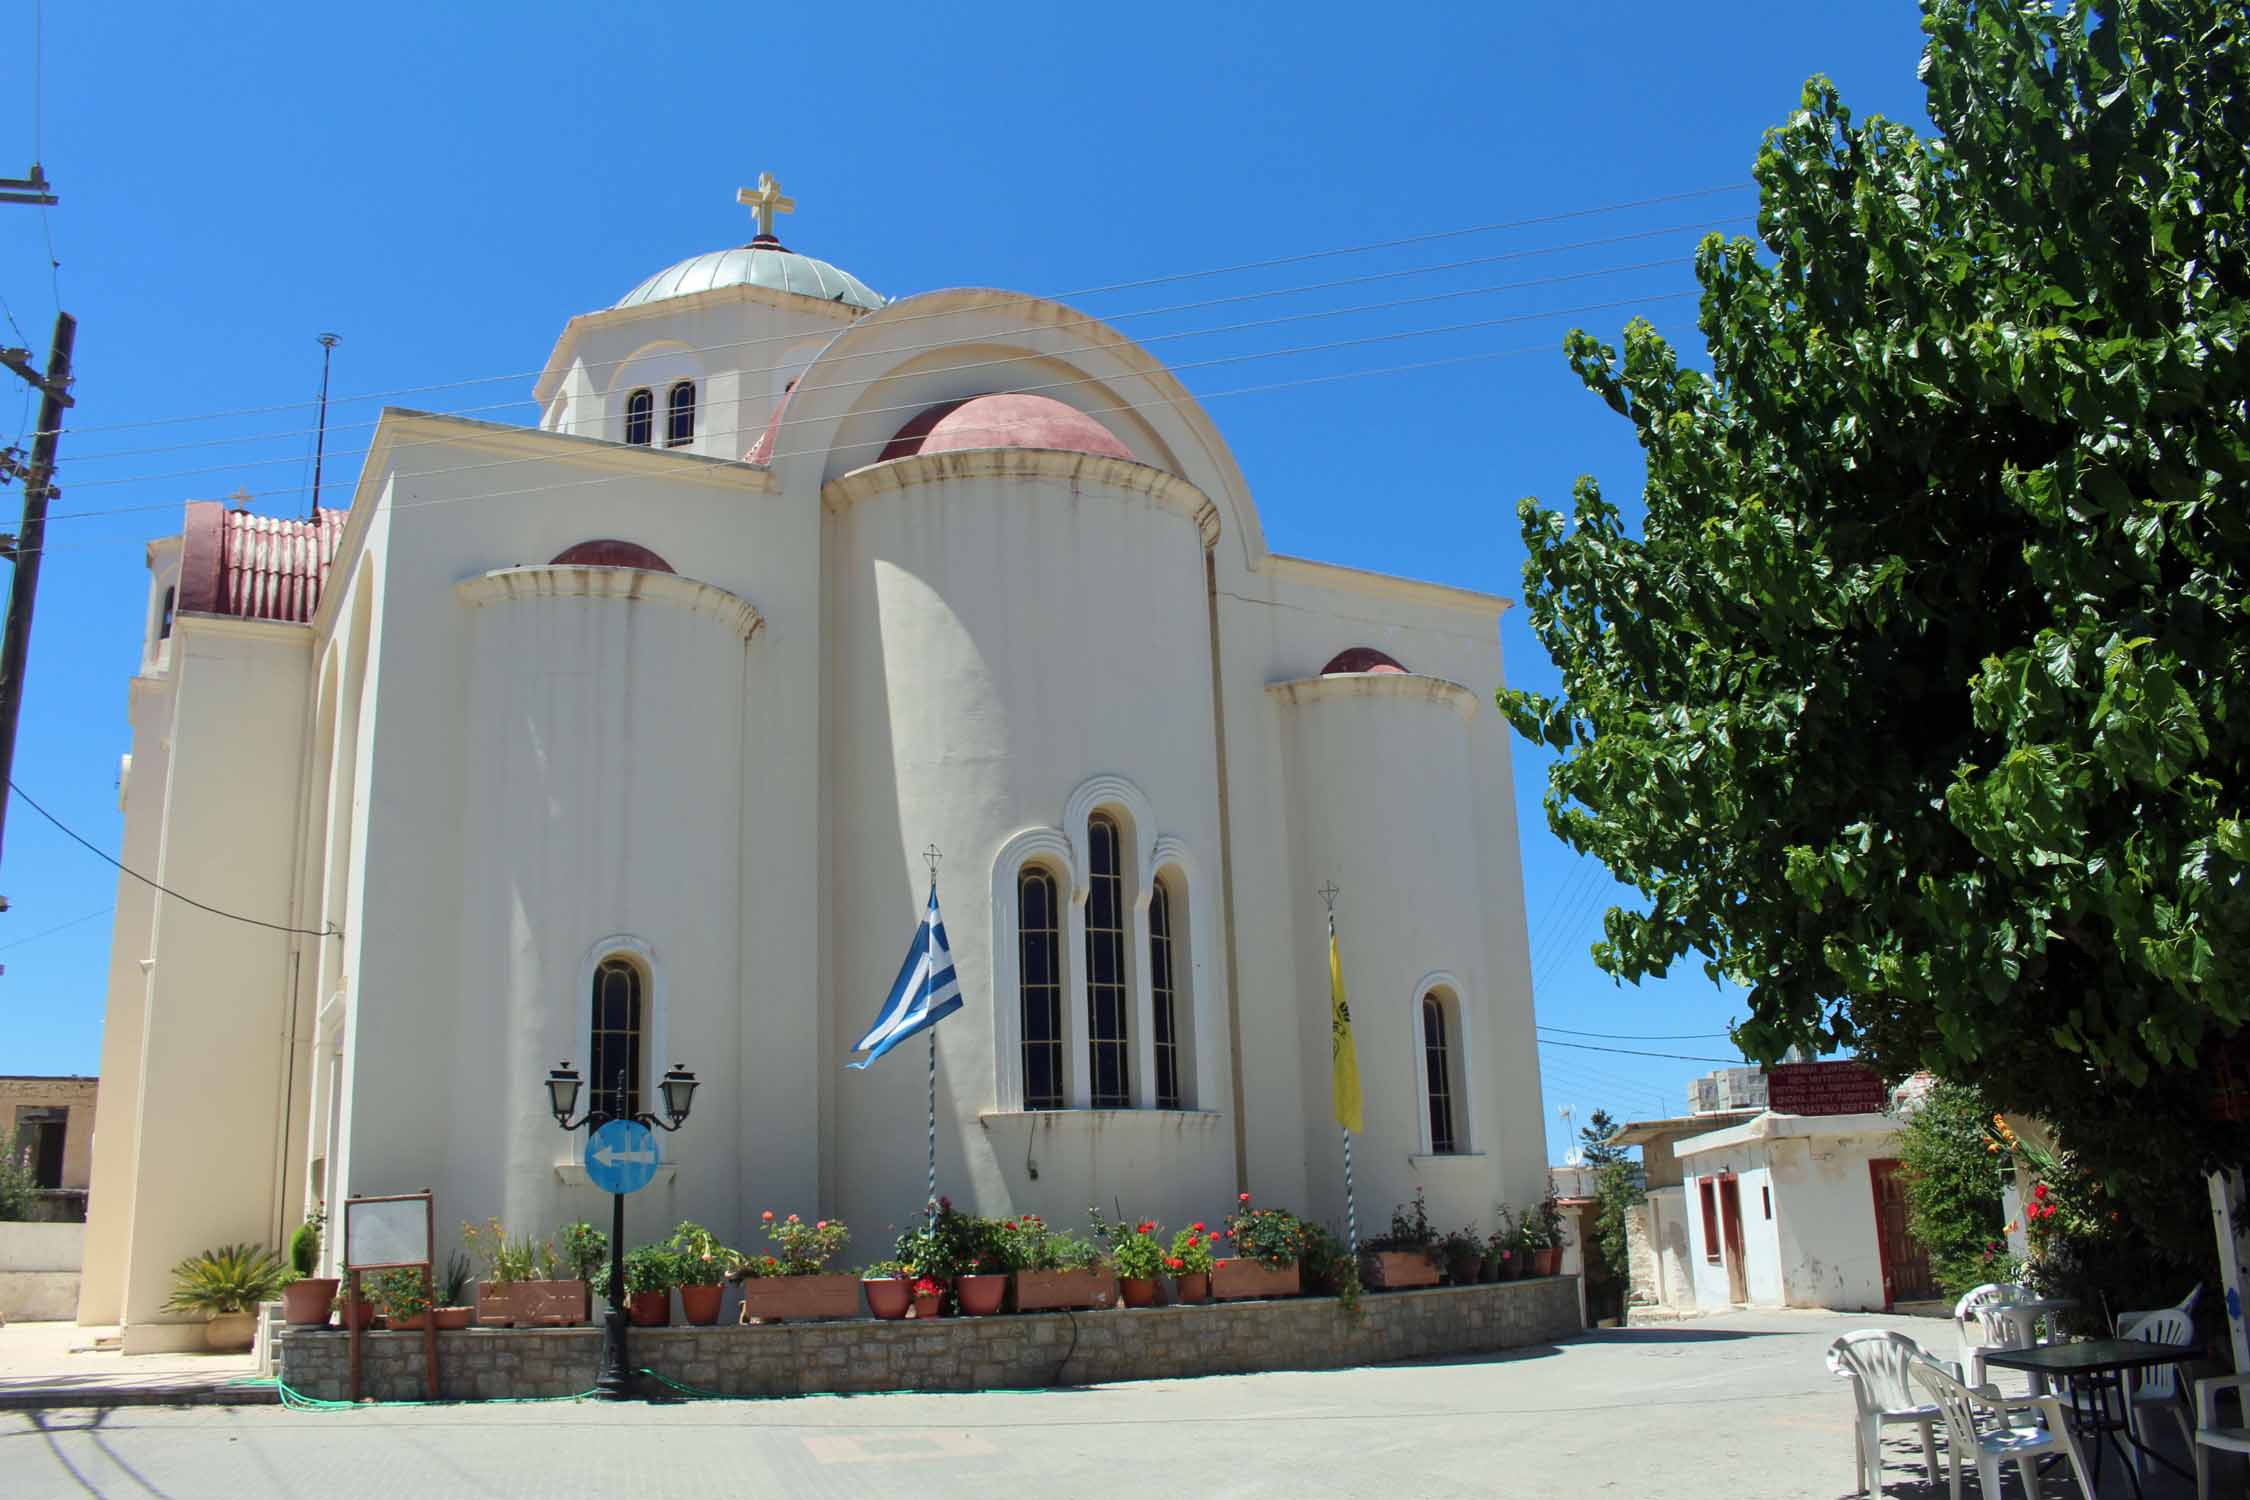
[(47, 1364), (1739, 1406)]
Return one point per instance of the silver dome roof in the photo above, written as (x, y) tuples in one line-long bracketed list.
[(757, 264)]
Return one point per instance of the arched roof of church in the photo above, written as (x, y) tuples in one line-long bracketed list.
[(609, 552), (1361, 659), (762, 262), (1006, 419)]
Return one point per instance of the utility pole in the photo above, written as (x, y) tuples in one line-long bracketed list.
[(29, 545), (328, 343)]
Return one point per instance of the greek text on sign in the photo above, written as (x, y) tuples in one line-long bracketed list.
[(1825, 1088)]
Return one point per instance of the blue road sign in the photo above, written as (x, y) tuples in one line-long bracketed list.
[(621, 1157)]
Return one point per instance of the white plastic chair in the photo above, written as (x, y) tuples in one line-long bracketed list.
[(1966, 1441), (1969, 1324), (2210, 1437), (1876, 1360), (2185, 1304), (2159, 1389)]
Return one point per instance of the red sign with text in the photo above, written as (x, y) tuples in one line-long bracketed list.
[(1825, 1088)]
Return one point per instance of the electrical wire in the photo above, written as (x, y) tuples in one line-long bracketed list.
[(74, 836), (58, 927), (1094, 291), (1629, 1052), (894, 351), (1677, 1036), (1106, 346)]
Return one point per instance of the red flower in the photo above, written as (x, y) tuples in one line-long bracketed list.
[(1147, 1226), (2039, 1190), (1174, 1263), (1011, 1223), (768, 1216), (820, 1224), (1197, 1226), (1242, 1198)]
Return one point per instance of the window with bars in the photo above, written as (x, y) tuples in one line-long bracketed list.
[(1109, 1051), (1161, 992), (1039, 976), (1437, 1062), (679, 415), (618, 1014), (640, 418)]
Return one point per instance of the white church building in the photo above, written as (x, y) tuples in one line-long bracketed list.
[(619, 740)]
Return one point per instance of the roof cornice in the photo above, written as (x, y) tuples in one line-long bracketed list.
[(1165, 488), (550, 581), (1360, 581), (1397, 687)]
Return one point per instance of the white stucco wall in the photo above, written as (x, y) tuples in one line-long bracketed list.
[(1820, 1248)]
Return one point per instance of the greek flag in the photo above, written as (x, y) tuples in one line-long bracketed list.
[(924, 993)]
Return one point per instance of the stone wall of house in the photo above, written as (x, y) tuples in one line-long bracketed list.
[(1640, 1252), (953, 1354)]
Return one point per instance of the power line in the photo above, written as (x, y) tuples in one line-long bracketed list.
[(1629, 1052), (237, 465), (1613, 1036), (58, 927), (102, 854), (892, 352), (1094, 291)]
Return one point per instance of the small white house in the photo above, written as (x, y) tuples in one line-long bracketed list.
[(1799, 1211)]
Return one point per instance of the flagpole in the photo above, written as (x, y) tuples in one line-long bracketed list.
[(1351, 1207), (929, 1207)]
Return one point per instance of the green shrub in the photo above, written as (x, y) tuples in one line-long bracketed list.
[(17, 1186), (232, 1278), (1955, 1169), (304, 1250)]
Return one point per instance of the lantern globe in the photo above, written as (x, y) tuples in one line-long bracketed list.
[(562, 1091)]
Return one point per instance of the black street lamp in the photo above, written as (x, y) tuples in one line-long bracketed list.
[(615, 1382)]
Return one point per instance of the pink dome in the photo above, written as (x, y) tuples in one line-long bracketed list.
[(1006, 420), (608, 552), (1360, 659)]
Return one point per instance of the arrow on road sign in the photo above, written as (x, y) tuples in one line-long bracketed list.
[(609, 1156)]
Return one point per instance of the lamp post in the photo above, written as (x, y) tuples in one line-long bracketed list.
[(615, 1382)]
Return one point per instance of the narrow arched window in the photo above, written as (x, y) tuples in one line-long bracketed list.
[(164, 625), (1109, 1049), (1039, 970), (679, 415), (640, 417), (1437, 1062), (618, 1015), (1161, 1030)]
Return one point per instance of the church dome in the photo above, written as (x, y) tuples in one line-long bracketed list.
[(1360, 659), (1006, 420), (762, 262)]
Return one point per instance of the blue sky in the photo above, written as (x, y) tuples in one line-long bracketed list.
[(445, 185)]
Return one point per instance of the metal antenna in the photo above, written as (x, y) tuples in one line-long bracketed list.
[(328, 343), (1329, 893)]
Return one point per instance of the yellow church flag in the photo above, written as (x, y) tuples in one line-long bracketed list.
[(1343, 1058)]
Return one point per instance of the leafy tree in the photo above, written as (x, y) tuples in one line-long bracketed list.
[(1617, 1189), (1920, 705), (1955, 1172), (1594, 1140)]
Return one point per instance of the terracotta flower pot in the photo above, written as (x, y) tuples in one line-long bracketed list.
[(496, 1303), (349, 1313), (1240, 1279), (1547, 1262), (790, 1299), (554, 1303), (1461, 1267), (1195, 1286), (887, 1296), (306, 1303), (1511, 1265), (929, 1304), (981, 1296), (1137, 1291), (1394, 1270), (230, 1333), (1038, 1291), (700, 1304), (648, 1309), (453, 1318), (414, 1324)]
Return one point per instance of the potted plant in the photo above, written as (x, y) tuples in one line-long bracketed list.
[(981, 1285), (651, 1271), (585, 1254), (226, 1285), (1268, 1243), (796, 1283), (1190, 1262), (350, 1314), (1546, 1226), (1054, 1269), (1135, 1254), (505, 1263), (1463, 1252), (306, 1298), (1404, 1256), (403, 1293), (890, 1292), (704, 1267), (454, 1310), (541, 1296), (929, 1298)]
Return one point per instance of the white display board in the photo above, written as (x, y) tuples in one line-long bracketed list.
[(386, 1232)]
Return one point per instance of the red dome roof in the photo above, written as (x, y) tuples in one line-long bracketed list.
[(1006, 420), (1360, 659), (608, 552)]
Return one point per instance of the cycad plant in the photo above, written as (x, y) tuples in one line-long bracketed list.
[(232, 1278)]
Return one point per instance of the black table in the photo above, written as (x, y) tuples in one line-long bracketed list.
[(2098, 1367)]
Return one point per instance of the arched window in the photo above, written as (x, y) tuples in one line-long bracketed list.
[(640, 417), (679, 415), (1161, 1020), (1039, 978), (1110, 1054), (164, 625), (619, 1012), (1437, 1066)]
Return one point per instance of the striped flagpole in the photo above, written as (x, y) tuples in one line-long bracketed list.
[(929, 1207), (1351, 1207)]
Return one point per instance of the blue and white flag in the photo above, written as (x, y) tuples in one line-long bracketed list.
[(924, 993)]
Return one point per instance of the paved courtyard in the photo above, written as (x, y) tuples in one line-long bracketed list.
[(1737, 1407)]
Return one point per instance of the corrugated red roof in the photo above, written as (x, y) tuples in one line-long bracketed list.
[(255, 567)]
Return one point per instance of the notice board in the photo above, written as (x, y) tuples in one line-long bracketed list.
[(1825, 1088)]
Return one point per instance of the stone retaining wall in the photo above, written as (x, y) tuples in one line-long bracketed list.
[(954, 1354)]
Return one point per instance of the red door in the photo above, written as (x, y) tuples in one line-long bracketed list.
[(1906, 1267), (1730, 1216)]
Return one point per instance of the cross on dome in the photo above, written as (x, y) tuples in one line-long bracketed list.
[(765, 201)]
